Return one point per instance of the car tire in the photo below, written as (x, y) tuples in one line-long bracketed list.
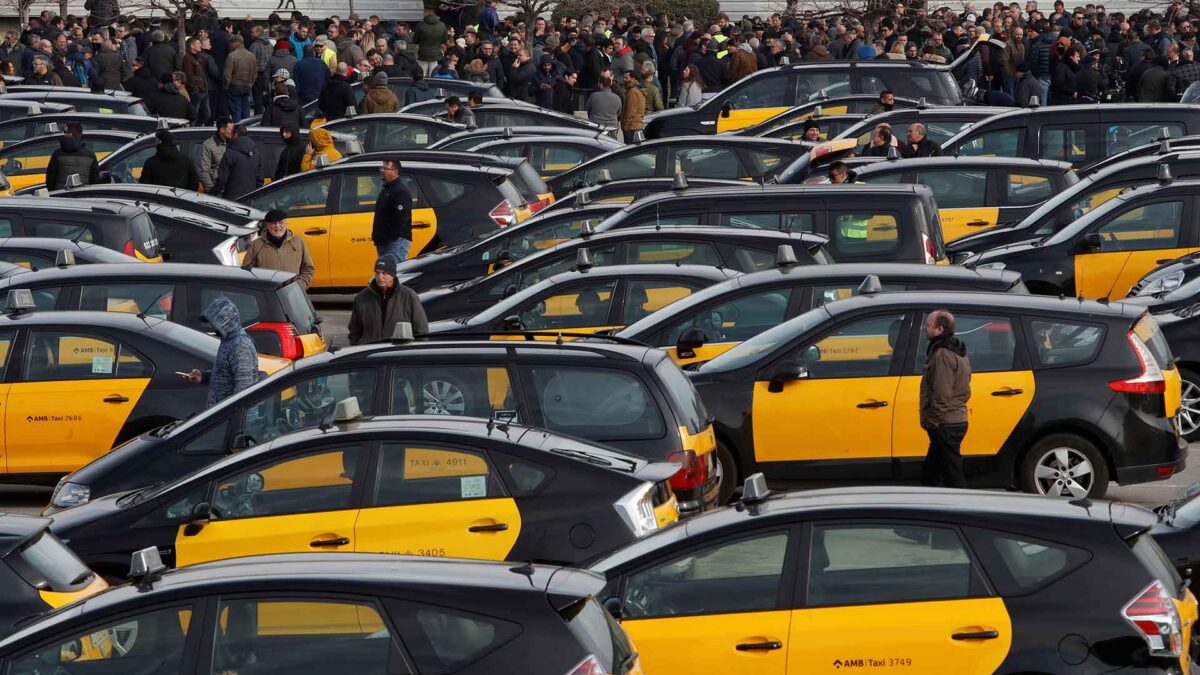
[(1189, 422), (1042, 468), (730, 475)]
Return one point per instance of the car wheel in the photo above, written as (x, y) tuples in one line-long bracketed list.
[(1065, 465), (728, 474), (444, 396), (1189, 404)]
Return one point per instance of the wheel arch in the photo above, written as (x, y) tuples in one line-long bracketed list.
[(1064, 427)]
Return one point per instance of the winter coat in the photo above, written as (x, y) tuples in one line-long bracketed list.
[(283, 109), (923, 148), (541, 89), (380, 99), (106, 69), (261, 49), (169, 167), (1039, 56), (713, 74), (168, 102), (488, 21), (236, 366), (464, 117), (564, 98), (519, 79), (1028, 87), (322, 142), (310, 76), (290, 256), (393, 214), (604, 108), (1063, 87), (291, 157), (241, 170), (104, 12), (430, 35), (1090, 82), (240, 69), (73, 156), (212, 151), (1014, 55), (161, 59), (335, 97), (418, 92), (375, 314), (142, 84), (299, 45), (1155, 86), (741, 64), (690, 94), (945, 383), (654, 98), (282, 58), (634, 111)]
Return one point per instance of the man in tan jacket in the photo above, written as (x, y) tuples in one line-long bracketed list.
[(241, 69), (634, 111), (279, 249), (945, 390)]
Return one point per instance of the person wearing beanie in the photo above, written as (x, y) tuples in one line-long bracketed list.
[(161, 57), (168, 166), (280, 249), (384, 303), (812, 131), (283, 108), (458, 113), (72, 157), (379, 97)]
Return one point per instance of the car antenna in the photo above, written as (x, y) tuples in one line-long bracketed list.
[(558, 340), (525, 569)]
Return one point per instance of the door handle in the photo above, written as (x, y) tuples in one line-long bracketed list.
[(421, 226), (759, 646), (317, 231), (1164, 260), (979, 635), (320, 543), (498, 527), (976, 223), (1008, 392), (116, 398), (873, 404)]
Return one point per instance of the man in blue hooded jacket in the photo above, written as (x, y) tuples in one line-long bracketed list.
[(236, 365)]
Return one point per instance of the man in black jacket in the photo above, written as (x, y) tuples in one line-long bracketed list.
[(241, 170), (142, 83), (336, 95), (918, 145), (384, 303), (168, 166), (292, 154), (73, 157), (391, 231), (168, 101)]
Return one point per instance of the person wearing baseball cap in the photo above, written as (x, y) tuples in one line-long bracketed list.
[(278, 248), (384, 303)]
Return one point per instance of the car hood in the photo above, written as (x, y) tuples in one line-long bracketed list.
[(1001, 253), (120, 461), (668, 113), (77, 520), (980, 241)]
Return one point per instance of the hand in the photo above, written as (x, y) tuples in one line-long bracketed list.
[(195, 376)]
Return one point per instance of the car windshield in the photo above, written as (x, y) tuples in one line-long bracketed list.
[(752, 350), (1084, 222)]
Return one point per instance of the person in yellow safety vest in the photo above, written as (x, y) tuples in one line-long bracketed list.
[(719, 38), (326, 52), (850, 226)]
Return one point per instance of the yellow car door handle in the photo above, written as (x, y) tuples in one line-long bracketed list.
[(498, 527), (976, 223), (873, 404), (421, 226), (340, 541), (316, 231), (759, 646), (977, 635), (116, 398), (1008, 392)]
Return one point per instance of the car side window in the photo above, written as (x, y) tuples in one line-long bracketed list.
[(410, 474), (308, 197), (442, 640), (444, 192), (748, 571), (55, 229), (998, 143), (678, 252), (469, 390), (153, 299), (862, 348), (1122, 136), (539, 238), (881, 563), (600, 257), (746, 260), (576, 307), (956, 189), (598, 403), (70, 356), (643, 297), (1018, 564), (208, 442), (291, 635), (318, 481), (1143, 228), (823, 295), (552, 160), (1024, 189), (783, 222), (736, 320), (706, 162), (990, 342), (33, 261), (828, 84), (631, 165), (6, 227), (865, 232), (1064, 343), (44, 298), (761, 92), (401, 137), (139, 643), (307, 403), (1067, 143), (6, 342)]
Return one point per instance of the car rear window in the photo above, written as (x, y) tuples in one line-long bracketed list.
[(1017, 564), (596, 403), (510, 191), (1147, 329), (297, 307), (529, 182), (600, 634), (684, 397), (45, 563), (442, 640), (1065, 343)]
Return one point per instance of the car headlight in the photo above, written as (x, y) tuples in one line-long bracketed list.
[(637, 510), (70, 494), (991, 266), (1164, 284)]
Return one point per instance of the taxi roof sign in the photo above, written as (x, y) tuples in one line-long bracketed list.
[(347, 410), (146, 565), (20, 300), (755, 489), (403, 332), (73, 181), (680, 181), (870, 285), (64, 259), (785, 256), (583, 259)]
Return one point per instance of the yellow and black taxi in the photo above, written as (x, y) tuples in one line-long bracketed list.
[(393, 131), (975, 194), (589, 299), (627, 396), (120, 103), (37, 572), (622, 192), (727, 248), (903, 579), (856, 104), (185, 236), (24, 162), (37, 253), (514, 114), (1065, 207), (320, 613), (712, 321), (435, 106), (469, 138), (550, 155), (1160, 146), (333, 208), (274, 309), (15, 129), (417, 485), (215, 208), (744, 158), (941, 123), (120, 227), (1079, 134), (864, 223), (828, 127), (1104, 252), (75, 384), (15, 109), (1066, 394)]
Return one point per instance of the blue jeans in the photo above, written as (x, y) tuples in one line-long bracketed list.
[(397, 247), (240, 104), (1045, 90)]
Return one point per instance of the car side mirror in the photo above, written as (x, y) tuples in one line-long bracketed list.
[(689, 341), (504, 256), (726, 108), (784, 373), (240, 442), (513, 322), (613, 607), (510, 290), (106, 177), (1091, 242), (201, 515)]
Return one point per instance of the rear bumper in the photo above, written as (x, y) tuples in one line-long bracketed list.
[(1148, 473)]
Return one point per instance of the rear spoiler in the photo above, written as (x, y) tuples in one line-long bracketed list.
[(656, 472), (1130, 520), (567, 586)]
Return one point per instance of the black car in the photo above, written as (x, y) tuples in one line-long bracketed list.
[(517, 115), (24, 163), (15, 109), (857, 104), (209, 206), (729, 248), (393, 131), (121, 227), (37, 572), (82, 101), (941, 123), (550, 155), (435, 106), (440, 88), (21, 128), (469, 138), (828, 126), (37, 253), (1161, 146), (621, 192), (188, 237)]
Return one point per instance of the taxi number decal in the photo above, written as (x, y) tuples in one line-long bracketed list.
[(889, 662), (54, 418), (427, 552)]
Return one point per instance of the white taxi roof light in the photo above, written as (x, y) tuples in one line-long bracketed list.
[(73, 181), (321, 161), (785, 256), (351, 111), (1164, 174), (52, 128), (64, 259), (507, 133), (680, 181), (583, 259), (1035, 101), (20, 300), (893, 154), (583, 198), (403, 332), (755, 489), (585, 230), (603, 176), (818, 111), (347, 410), (922, 103), (146, 564), (870, 285)]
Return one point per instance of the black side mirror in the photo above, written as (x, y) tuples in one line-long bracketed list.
[(504, 256), (726, 108), (689, 341), (106, 177), (513, 322), (1091, 242), (201, 514), (784, 373), (613, 607), (240, 442), (510, 290)]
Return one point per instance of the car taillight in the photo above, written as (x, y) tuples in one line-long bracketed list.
[(128, 249), (1154, 615), (694, 472), (503, 214), (540, 204), (1150, 381), (930, 253), (291, 346), (589, 666)]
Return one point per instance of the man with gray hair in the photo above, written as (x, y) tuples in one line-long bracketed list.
[(918, 145)]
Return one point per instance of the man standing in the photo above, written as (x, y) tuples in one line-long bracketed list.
[(337, 95), (634, 111), (241, 70), (604, 106), (241, 169), (236, 364), (212, 151), (384, 303), (430, 35), (391, 231), (168, 166), (945, 390), (72, 157), (379, 97), (280, 249)]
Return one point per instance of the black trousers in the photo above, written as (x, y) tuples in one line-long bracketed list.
[(943, 463)]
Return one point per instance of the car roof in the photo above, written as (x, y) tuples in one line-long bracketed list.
[(996, 301), (52, 244), (72, 205), (636, 271), (15, 530), (441, 343), (432, 157), (393, 116), (113, 320), (267, 278), (720, 139), (551, 138), (965, 162), (804, 239), (68, 116), (123, 136), (1053, 111), (520, 130), (747, 189), (887, 269)]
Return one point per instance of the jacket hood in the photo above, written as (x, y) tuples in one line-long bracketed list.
[(285, 103), (223, 315), (297, 139), (320, 139), (947, 342), (71, 143), (244, 145), (169, 151)]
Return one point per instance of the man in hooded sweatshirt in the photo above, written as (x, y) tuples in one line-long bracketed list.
[(379, 97), (945, 390), (168, 166), (384, 303), (236, 365), (241, 170), (419, 90), (291, 157), (280, 249), (72, 157)]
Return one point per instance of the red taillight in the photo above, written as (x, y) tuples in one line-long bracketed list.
[(589, 666), (1150, 380), (1154, 615), (291, 345), (694, 472), (540, 204), (128, 249), (930, 252), (1166, 471), (503, 214)]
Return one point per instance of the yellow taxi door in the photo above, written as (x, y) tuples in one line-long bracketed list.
[(755, 100), (844, 398), (72, 399), (307, 205), (439, 502), (582, 308), (6, 342), (350, 247), (1130, 244), (295, 504), (1002, 387), (962, 199), (723, 605), (895, 597), (745, 117)]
